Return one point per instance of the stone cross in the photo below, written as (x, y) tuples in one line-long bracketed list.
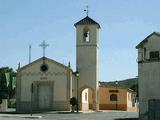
[(44, 45)]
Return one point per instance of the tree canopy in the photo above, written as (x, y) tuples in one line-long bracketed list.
[(7, 75)]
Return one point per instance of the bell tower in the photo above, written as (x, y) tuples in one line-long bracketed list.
[(87, 60)]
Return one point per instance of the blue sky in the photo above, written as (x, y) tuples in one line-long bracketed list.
[(124, 23)]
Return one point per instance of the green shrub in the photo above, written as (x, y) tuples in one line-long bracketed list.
[(73, 101)]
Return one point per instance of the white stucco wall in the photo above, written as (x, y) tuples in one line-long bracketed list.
[(129, 99), (149, 80)]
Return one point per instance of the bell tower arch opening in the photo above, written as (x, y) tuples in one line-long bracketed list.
[(86, 35), (86, 98)]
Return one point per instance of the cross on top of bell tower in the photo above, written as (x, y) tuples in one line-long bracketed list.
[(44, 45)]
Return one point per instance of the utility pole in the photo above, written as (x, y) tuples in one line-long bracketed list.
[(31, 98), (116, 94), (29, 53)]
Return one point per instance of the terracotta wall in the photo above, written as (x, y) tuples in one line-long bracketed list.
[(123, 100), (106, 104), (122, 107)]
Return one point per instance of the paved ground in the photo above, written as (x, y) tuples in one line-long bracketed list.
[(107, 115)]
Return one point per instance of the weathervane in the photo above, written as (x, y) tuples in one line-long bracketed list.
[(86, 10), (44, 45)]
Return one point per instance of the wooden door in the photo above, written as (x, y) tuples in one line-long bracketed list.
[(44, 97)]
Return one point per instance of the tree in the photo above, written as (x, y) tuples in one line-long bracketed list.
[(6, 86), (3, 84)]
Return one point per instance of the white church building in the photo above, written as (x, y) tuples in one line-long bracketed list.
[(149, 77), (46, 84)]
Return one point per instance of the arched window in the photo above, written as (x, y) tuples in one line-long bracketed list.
[(113, 97), (86, 35)]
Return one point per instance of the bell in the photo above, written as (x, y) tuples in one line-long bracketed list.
[(85, 34)]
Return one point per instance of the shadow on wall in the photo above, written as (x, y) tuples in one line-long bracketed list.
[(127, 119)]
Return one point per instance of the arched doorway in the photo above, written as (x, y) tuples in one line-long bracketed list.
[(86, 98)]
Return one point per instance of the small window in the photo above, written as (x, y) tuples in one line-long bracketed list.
[(144, 53), (113, 97), (154, 55)]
